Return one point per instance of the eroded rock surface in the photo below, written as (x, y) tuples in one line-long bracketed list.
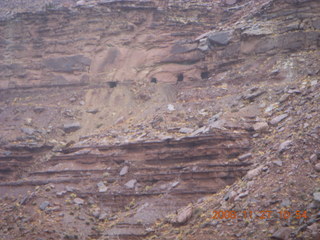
[(115, 114)]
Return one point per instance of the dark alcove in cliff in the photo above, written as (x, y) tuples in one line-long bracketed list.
[(204, 75), (112, 84), (180, 77)]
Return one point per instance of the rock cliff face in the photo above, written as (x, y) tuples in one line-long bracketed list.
[(115, 114), (135, 54), (125, 41), (122, 41), (131, 185)]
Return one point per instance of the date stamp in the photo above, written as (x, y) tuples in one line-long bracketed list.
[(266, 214)]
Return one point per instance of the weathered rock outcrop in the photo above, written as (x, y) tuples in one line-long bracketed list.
[(109, 110), (125, 40), (121, 41), (163, 176)]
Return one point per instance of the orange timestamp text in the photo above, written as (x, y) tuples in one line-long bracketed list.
[(266, 214)]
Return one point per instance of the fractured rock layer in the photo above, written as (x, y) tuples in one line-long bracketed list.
[(162, 177)]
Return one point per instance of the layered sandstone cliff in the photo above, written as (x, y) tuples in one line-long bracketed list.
[(115, 114)]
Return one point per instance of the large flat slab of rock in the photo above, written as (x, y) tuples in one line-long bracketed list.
[(278, 119), (220, 38), (71, 127)]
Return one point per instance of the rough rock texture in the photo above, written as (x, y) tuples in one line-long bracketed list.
[(181, 92), (90, 45), (148, 192)]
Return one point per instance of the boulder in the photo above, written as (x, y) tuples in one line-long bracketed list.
[(38, 109), (285, 203), (44, 205), (284, 146), (282, 234), (28, 131), (316, 196), (124, 171), (220, 38), (253, 95), (254, 172), (102, 188), (278, 119), (201, 130), (242, 195), (170, 107), (130, 184), (186, 130), (174, 184), (317, 167), (215, 118), (260, 126), (103, 216), (203, 44), (313, 158), (244, 156), (182, 216), (220, 124), (93, 111), (277, 163), (78, 201), (71, 127), (96, 212), (230, 195)]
